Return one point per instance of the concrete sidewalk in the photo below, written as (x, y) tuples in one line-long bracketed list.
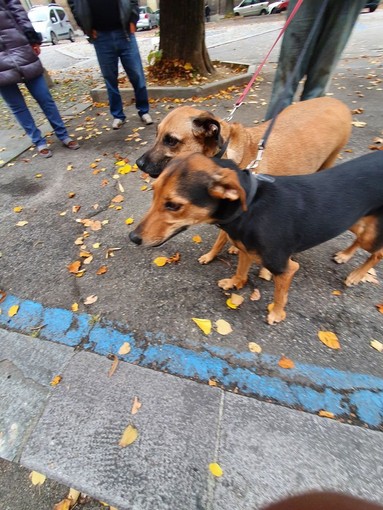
[(71, 431)]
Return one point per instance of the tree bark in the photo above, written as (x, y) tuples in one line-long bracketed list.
[(229, 6), (182, 34)]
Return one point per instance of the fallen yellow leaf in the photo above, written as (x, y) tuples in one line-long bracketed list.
[(329, 339), (117, 199), (102, 270), (17, 209), (326, 414), (336, 292), (13, 310), (128, 437), (37, 478), (236, 299), (197, 239), (212, 382), (203, 324), (74, 266), (160, 261), (56, 380), (215, 469), (21, 223), (223, 327), (114, 365), (253, 347), (129, 221), (90, 299), (380, 307), (230, 304), (124, 349), (74, 307)]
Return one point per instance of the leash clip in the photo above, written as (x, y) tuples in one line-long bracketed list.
[(231, 114), (253, 164)]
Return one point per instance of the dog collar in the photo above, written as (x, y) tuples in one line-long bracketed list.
[(250, 194), (223, 148)]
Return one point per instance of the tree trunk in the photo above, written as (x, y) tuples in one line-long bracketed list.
[(229, 6), (182, 34)]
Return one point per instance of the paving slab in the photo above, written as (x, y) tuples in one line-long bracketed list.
[(76, 440), (268, 453), (27, 366)]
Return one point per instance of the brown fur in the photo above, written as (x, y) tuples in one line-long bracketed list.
[(306, 137)]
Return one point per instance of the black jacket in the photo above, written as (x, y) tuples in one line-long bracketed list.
[(129, 13)]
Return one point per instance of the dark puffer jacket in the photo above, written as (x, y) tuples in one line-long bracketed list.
[(18, 61)]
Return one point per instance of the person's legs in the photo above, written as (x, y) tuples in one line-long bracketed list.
[(292, 44), (16, 102), (107, 55), (336, 29), (39, 90), (131, 61)]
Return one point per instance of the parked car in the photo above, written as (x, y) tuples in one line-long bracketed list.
[(277, 7), (251, 8), (147, 20), (372, 6), (52, 22), (157, 14)]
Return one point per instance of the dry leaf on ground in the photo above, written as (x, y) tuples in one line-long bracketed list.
[(286, 362), (254, 347), (13, 310), (203, 324), (326, 414), (375, 344), (128, 437), (56, 380), (329, 339), (136, 405), (69, 501), (223, 327), (90, 299), (37, 478), (125, 348), (215, 469), (114, 365)]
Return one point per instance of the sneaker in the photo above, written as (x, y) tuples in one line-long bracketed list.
[(71, 144), (146, 119), (117, 123), (44, 151)]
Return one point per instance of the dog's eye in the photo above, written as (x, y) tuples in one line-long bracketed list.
[(170, 141), (172, 206)]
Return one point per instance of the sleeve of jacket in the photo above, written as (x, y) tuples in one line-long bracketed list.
[(72, 6), (21, 18), (135, 16)]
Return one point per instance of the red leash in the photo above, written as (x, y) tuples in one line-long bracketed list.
[(258, 70)]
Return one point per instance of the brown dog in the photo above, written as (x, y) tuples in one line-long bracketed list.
[(270, 218), (306, 137)]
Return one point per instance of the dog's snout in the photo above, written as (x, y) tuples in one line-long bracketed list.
[(140, 162), (135, 238)]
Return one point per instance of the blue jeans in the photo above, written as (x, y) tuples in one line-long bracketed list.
[(321, 57), (39, 90), (111, 46)]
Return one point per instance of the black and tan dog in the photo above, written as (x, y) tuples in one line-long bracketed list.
[(271, 218), (306, 137)]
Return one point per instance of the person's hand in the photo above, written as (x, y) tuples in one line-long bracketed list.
[(132, 27), (36, 48)]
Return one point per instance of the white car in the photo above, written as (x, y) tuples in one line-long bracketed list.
[(147, 20), (251, 8), (51, 22)]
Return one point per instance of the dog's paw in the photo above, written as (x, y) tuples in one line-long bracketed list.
[(206, 258), (358, 276), (233, 250), (230, 283), (341, 258), (274, 317), (265, 274)]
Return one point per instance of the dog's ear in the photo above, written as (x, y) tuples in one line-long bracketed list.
[(206, 126), (225, 185)]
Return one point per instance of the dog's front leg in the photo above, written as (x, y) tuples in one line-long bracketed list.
[(240, 277), (216, 248), (282, 284)]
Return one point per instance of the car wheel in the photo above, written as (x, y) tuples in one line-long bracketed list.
[(372, 9), (71, 36), (236, 14), (263, 11), (54, 38), (274, 11)]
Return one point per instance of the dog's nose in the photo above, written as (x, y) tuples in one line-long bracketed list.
[(135, 237), (140, 162)]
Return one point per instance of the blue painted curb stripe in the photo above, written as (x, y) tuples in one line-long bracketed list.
[(306, 387)]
